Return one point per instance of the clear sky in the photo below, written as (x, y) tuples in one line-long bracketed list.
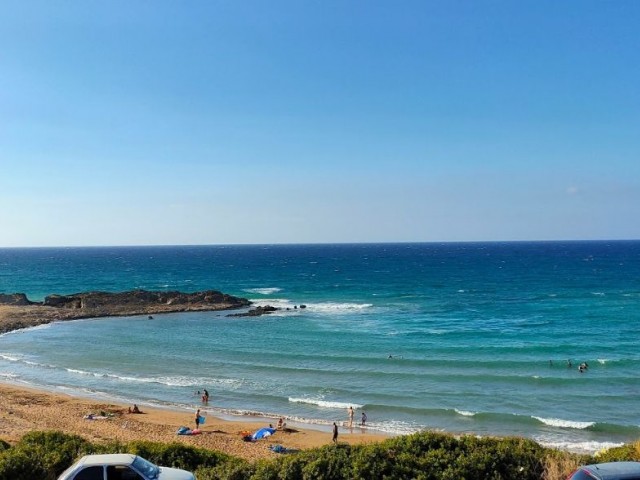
[(214, 122)]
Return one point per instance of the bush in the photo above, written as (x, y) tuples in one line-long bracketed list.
[(16, 464), (422, 456), (232, 469), (43, 455), (630, 451), (558, 465)]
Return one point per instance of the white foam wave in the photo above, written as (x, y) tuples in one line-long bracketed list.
[(177, 381), (590, 447), (395, 427), (8, 375), (36, 364), (84, 372), (10, 357), (465, 413), (558, 422), (170, 381), (325, 403), (331, 307), (20, 359), (602, 361), (325, 308), (263, 291)]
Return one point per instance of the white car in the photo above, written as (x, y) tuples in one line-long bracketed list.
[(121, 466)]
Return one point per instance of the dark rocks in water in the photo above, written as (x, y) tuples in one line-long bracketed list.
[(255, 312), (18, 299), (141, 299), (265, 310)]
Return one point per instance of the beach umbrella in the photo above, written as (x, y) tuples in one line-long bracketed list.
[(263, 432)]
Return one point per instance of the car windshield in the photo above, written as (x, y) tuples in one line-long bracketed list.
[(145, 467)]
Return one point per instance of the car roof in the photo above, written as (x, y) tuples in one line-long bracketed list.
[(108, 459), (615, 470)]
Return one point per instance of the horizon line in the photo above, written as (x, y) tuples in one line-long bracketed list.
[(428, 242)]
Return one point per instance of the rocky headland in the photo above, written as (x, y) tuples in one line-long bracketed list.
[(17, 311)]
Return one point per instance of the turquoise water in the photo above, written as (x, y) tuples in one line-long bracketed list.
[(479, 335)]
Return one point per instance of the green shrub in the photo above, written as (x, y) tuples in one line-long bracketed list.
[(628, 452), (42, 455), (176, 454), (17, 464), (329, 463), (422, 456), (232, 469)]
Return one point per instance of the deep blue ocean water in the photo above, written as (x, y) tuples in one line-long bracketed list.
[(479, 335)]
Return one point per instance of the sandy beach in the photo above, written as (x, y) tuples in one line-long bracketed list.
[(24, 409)]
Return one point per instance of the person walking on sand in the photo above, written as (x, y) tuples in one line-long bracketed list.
[(197, 418), (351, 413), (364, 419), (335, 432)]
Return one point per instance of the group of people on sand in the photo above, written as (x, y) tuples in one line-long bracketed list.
[(281, 423)]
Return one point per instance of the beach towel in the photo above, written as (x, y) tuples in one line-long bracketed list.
[(188, 431), (91, 416)]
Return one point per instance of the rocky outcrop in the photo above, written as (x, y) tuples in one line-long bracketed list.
[(143, 299), (19, 299), (16, 311)]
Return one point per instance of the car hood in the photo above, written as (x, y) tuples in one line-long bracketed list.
[(167, 473)]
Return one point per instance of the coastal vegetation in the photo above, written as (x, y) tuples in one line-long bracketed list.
[(425, 455)]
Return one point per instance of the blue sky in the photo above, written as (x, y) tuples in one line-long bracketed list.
[(213, 122)]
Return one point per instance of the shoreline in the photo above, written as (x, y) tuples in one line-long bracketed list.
[(27, 408), (226, 418), (228, 415)]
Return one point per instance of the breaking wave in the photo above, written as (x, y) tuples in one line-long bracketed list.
[(558, 422), (263, 291), (325, 403)]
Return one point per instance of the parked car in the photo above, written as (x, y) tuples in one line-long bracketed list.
[(121, 466), (607, 471)]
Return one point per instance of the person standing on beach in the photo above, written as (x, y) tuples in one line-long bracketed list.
[(197, 418), (351, 413), (364, 419), (335, 432)]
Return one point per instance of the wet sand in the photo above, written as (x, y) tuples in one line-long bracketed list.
[(24, 409)]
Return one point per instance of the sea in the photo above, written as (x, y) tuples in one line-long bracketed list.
[(468, 338)]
